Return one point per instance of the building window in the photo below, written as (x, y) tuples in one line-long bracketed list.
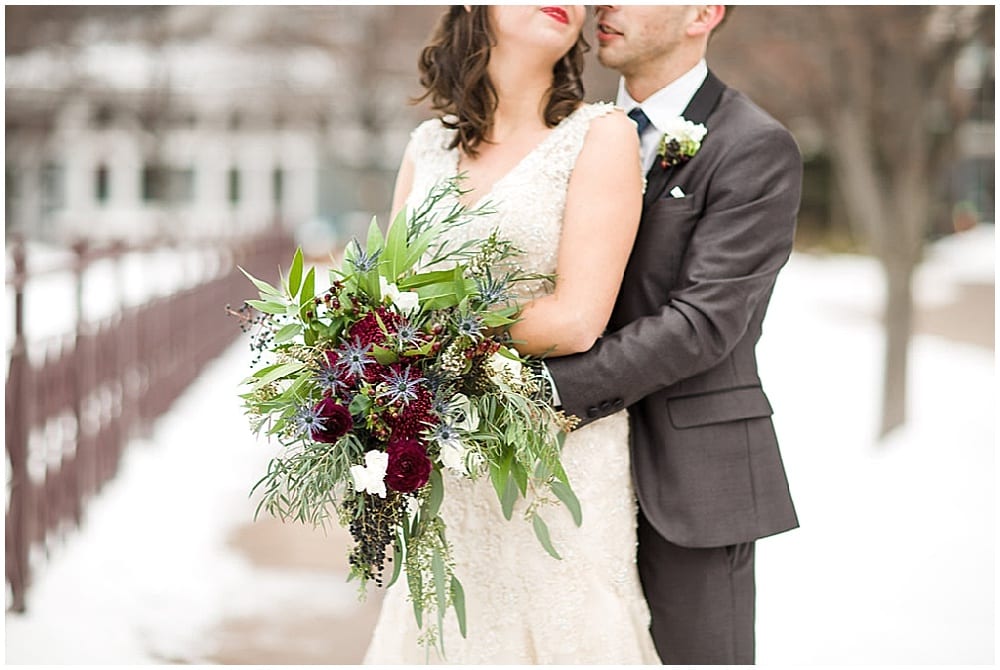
[(278, 186), (102, 184), (234, 186), (182, 184), (153, 183), (53, 188)]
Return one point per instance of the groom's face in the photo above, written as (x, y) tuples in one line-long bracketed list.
[(630, 38)]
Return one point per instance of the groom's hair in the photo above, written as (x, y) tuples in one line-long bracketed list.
[(453, 72)]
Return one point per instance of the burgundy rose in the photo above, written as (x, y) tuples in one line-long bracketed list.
[(336, 421), (409, 468)]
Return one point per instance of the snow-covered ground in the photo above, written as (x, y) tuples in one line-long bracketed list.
[(893, 564)]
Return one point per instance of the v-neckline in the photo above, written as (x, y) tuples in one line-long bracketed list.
[(457, 154)]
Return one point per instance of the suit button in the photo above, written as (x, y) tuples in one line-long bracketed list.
[(605, 406), (619, 403), (592, 412)]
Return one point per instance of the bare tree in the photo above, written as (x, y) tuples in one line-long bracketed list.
[(879, 81)]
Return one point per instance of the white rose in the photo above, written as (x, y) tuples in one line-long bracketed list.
[(453, 456), (405, 301), (464, 415), (370, 477)]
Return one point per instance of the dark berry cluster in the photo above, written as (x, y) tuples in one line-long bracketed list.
[(373, 527), (258, 325)]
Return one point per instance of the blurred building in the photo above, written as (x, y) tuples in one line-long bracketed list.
[(206, 121)]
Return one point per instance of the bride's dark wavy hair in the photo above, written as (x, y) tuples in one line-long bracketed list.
[(453, 72)]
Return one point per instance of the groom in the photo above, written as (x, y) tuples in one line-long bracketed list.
[(679, 352)]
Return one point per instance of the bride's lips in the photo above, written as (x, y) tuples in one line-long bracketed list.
[(606, 33), (557, 13)]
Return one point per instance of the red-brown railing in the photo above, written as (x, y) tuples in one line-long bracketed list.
[(70, 414)]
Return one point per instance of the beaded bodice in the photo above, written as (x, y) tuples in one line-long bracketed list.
[(526, 204)]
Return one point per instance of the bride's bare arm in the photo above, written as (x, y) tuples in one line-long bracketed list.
[(404, 182), (603, 205)]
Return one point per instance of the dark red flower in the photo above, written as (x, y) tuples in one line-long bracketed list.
[(409, 468), (368, 330), (409, 420), (336, 421)]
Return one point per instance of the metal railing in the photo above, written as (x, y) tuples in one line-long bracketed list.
[(71, 411)]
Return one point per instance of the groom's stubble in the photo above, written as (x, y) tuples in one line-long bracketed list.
[(653, 48)]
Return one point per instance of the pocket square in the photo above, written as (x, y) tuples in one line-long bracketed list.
[(676, 192)]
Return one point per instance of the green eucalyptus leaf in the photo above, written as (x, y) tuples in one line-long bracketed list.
[(542, 533), (395, 254), (287, 332), (437, 568), (295, 273), (437, 494), (520, 476), (375, 240), (425, 278), (384, 356), (496, 319), (565, 493), (359, 404), (308, 288), (268, 307), (397, 560), (262, 286), (509, 498), (458, 602), (279, 372)]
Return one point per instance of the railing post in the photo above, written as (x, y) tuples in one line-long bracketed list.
[(18, 408), (88, 468)]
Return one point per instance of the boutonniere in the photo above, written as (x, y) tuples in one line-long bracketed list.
[(680, 142)]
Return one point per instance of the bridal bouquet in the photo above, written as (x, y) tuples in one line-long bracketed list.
[(402, 369)]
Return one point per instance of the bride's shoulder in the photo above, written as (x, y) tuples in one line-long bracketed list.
[(431, 135), (609, 123)]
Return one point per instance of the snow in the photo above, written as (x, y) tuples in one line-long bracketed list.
[(893, 563)]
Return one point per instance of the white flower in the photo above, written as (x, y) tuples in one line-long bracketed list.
[(683, 130), (453, 448), (503, 371), (453, 456), (464, 415), (370, 477), (405, 301)]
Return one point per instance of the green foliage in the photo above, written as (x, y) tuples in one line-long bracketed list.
[(414, 274)]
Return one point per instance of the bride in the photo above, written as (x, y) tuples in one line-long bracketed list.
[(565, 184)]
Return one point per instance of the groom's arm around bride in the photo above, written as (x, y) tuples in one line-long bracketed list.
[(679, 352)]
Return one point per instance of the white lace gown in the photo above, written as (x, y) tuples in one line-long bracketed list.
[(524, 606)]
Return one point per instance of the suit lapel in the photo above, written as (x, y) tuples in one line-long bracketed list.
[(698, 110)]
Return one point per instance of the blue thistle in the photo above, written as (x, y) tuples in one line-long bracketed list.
[(400, 386), (328, 378), (491, 291), (470, 325), (306, 420), (445, 433), (354, 356), (407, 335), (361, 261)]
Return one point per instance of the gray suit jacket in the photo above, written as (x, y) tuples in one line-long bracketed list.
[(679, 351)]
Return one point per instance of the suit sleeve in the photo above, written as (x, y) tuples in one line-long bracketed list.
[(737, 247)]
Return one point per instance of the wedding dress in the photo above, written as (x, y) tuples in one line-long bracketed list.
[(524, 606)]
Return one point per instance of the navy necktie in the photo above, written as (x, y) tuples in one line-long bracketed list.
[(641, 120)]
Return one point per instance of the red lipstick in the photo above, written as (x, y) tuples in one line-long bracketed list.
[(557, 13)]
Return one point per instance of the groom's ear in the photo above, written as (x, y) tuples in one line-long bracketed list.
[(707, 18)]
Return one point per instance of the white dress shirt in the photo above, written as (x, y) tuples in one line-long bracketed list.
[(666, 104)]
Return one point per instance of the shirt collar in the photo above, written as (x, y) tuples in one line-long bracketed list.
[(670, 101)]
